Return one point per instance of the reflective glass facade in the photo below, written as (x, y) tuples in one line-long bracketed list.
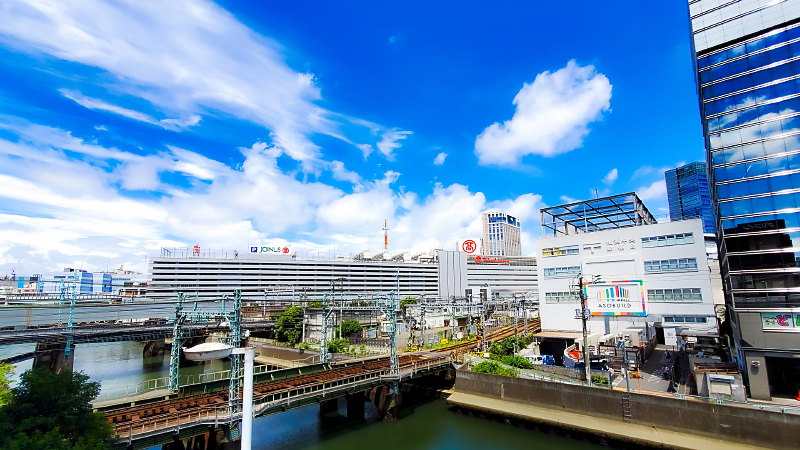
[(689, 194), (746, 56)]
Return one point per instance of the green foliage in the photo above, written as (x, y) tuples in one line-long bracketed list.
[(289, 327), (407, 301), (304, 346), (494, 369), (514, 361), (350, 326), (6, 370), (53, 412), (506, 346), (599, 379), (338, 346), (315, 304)]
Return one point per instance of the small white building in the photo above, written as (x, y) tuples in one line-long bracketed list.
[(652, 277)]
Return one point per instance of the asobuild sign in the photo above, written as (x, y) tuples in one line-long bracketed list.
[(616, 298), (269, 250)]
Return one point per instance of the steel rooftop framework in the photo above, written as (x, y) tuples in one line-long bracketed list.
[(616, 211)]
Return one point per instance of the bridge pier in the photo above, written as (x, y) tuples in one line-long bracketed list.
[(355, 406), (212, 440), (328, 406), (53, 357), (156, 347), (386, 402)]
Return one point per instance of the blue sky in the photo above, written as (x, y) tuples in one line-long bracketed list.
[(130, 126)]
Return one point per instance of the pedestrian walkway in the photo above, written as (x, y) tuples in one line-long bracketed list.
[(613, 429)]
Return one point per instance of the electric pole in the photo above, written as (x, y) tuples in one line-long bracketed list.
[(586, 362)]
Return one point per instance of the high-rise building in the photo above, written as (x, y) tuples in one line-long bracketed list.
[(501, 235), (746, 57), (688, 194)]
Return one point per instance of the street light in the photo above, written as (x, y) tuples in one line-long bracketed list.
[(218, 350)]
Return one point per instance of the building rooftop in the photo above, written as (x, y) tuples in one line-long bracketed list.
[(616, 211)]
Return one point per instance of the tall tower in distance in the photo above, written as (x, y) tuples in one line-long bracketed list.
[(688, 194), (385, 235), (501, 235)]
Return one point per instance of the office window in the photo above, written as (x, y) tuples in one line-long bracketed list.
[(557, 272), (674, 295), (560, 251), (685, 319), (668, 240), (560, 297), (671, 265)]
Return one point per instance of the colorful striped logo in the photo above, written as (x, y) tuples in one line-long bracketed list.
[(614, 293)]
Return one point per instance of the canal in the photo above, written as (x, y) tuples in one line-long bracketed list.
[(429, 425)]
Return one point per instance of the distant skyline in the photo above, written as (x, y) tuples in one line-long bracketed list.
[(130, 126)]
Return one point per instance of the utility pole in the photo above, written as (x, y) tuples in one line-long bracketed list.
[(586, 362)]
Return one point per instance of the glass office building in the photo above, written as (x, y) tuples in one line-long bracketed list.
[(746, 57), (688, 194)]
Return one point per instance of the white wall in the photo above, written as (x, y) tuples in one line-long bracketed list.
[(616, 262)]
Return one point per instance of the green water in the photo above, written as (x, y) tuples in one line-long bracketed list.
[(430, 425), (427, 426)]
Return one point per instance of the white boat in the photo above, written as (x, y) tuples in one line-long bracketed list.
[(208, 350)]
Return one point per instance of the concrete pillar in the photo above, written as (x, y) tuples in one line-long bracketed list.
[(757, 379), (155, 347), (53, 357), (328, 406), (355, 406), (386, 402)]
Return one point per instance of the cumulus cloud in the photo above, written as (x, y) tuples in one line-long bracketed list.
[(655, 191), (67, 207), (611, 177), (552, 116), (439, 160), (391, 141)]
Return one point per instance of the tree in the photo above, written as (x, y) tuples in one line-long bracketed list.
[(407, 301), (53, 412), (6, 370), (350, 326), (289, 327)]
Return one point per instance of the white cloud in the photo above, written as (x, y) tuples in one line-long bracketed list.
[(102, 105), (100, 128), (611, 177), (656, 191), (390, 142), (552, 116), (185, 57), (566, 199), (439, 160), (366, 149), (67, 208)]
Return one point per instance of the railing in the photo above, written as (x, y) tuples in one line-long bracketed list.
[(218, 414)]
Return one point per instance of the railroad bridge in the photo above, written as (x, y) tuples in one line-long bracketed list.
[(207, 416)]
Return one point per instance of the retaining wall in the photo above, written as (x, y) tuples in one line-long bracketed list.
[(746, 424)]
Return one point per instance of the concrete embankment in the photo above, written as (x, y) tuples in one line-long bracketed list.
[(654, 421)]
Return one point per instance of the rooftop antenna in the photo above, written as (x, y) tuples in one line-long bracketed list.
[(385, 235)]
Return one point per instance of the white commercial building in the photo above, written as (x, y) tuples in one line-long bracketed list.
[(501, 235), (449, 274), (651, 278)]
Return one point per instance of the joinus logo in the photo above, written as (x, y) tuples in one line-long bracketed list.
[(274, 250)]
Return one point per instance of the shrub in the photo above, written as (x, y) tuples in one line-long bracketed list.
[(517, 361), (289, 327), (494, 369), (599, 379), (338, 346), (350, 326)]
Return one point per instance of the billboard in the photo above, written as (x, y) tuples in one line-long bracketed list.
[(616, 298), (781, 321), (269, 250)]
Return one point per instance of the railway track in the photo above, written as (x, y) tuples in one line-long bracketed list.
[(496, 335), (183, 405)]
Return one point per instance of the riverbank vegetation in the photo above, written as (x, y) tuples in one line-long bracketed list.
[(289, 327), (492, 367), (53, 412)]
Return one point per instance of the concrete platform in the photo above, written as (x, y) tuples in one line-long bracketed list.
[(607, 428)]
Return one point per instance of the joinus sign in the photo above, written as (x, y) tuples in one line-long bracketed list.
[(269, 250)]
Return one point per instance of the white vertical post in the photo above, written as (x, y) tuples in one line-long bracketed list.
[(247, 399)]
